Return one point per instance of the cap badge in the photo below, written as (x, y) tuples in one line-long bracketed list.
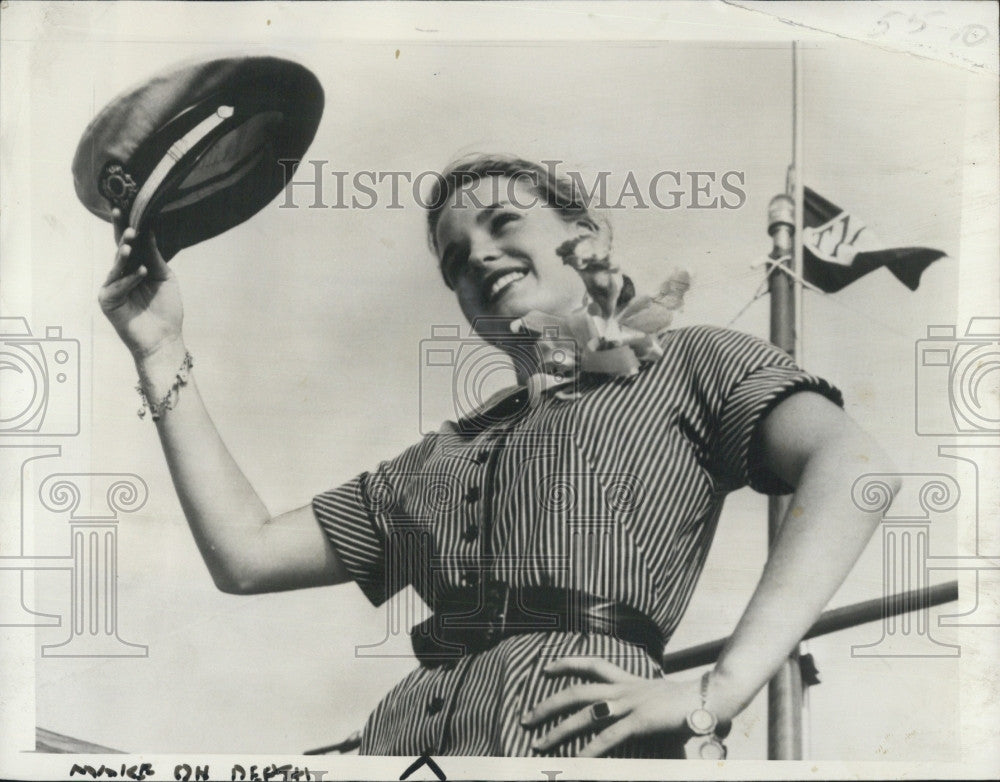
[(117, 186)]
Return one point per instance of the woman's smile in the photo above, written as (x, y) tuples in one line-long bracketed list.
[(500, 256), (498, 284)]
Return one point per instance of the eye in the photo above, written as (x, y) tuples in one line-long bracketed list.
[(503, 219)]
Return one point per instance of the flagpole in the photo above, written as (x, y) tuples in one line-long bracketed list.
[(798, 194), (798, 127), (785, 217)]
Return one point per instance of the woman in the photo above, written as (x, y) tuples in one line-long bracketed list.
[(558, 533)]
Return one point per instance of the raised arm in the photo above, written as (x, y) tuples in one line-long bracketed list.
[(245, 549), (811, 444)]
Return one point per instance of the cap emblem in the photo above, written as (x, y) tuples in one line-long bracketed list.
[(117, 186)]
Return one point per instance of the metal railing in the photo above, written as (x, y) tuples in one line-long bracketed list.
[(829, 622)]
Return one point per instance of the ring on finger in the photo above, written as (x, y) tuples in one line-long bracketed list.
[(600, 711)]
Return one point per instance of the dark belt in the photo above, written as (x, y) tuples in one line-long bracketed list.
[(473, 620)]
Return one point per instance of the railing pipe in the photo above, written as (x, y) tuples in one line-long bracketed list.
[(831, 621)]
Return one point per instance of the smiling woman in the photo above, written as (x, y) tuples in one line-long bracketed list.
[(558, 532), (493, 222), (499, 260)]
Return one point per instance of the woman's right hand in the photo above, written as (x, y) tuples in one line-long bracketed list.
[(141, 296)]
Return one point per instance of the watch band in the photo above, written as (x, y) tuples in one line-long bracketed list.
[(703, 724)]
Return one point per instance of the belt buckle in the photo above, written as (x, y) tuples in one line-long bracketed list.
[(496, 597)]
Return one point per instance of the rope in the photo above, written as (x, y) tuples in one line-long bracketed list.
[(773, 264), (759, 294), (761, 290)]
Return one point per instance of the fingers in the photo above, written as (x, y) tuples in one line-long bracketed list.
[(564, 700), (565, 730), (120, 266), (136, 248), (591, 668), (579, 722), (158, 269), (119, 222), (114, 293), (611, 737)]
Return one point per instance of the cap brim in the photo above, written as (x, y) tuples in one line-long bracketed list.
[(227, 177)]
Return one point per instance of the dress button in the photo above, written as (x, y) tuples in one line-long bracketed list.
[(435, 705), (473, 494), (482, 457), (470, 578), (471, 533)]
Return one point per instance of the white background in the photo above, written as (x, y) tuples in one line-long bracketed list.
[(306, 324)]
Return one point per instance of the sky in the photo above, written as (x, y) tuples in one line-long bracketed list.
[(307, 327)]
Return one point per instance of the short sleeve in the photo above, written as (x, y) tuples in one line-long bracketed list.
[(357, 517), (346, 516), (750, 378)]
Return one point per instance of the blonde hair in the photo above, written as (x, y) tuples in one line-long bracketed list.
[(557, 192)]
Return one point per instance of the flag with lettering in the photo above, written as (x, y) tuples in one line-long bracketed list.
[(837, 249)]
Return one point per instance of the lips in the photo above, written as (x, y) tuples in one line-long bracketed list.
[(496, 283)]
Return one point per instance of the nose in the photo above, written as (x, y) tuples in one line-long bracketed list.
[(483, 250)]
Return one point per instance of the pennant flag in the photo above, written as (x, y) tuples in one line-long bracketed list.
[(837, 249)]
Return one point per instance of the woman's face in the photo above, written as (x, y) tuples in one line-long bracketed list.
[(497, 246)]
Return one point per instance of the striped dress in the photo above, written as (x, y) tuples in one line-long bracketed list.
[(616, 493)]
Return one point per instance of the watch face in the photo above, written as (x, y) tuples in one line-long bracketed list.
[(701, 721), (712, 749)]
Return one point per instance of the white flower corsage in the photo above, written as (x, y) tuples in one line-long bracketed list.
[(607, 340)]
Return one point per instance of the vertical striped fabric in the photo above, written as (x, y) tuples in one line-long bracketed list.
[(616, 493)]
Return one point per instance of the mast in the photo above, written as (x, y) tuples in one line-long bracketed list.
[(785, 218)]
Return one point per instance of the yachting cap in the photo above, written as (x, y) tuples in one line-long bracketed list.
[(195, 150)]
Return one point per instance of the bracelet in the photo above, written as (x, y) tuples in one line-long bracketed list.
[(170, 398), (703, 724)]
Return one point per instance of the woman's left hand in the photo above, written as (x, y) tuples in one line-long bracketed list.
[(638, 706)]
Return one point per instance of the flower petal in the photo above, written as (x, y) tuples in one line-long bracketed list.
[(650, 319)]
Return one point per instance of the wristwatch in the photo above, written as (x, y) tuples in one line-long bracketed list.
[(706, 744)]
